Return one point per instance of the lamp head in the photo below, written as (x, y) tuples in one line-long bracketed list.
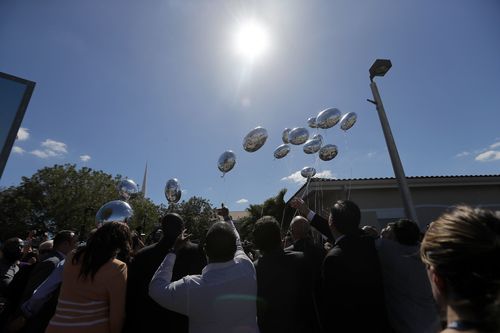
[(380, 67)]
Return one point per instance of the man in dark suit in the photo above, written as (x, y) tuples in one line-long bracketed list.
[(284, 283), (64, 242), (300, 230), (352, 288), (142, 313)]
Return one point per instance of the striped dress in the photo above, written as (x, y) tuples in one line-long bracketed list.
[(96, 306)]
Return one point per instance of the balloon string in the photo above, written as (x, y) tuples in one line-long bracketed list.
[(350, 166)]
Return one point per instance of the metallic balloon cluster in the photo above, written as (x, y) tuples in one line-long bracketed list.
[(325, 119)]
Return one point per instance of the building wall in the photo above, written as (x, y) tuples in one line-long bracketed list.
[(381, 203)]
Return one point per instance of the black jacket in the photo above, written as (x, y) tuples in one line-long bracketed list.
[(142, 313), (351, 285), (284, 292)]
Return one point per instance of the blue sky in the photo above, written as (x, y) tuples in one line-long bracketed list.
[(123, 82)]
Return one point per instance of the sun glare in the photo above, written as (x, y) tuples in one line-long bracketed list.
[(252, 40)]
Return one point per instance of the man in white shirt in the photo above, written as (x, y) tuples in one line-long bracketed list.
[(223, 297)]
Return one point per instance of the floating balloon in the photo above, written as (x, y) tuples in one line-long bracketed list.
[(312, 146), (226, 161), (348, 120), (328, 118), (312, 122), (255, 139), (318, 137), (173, 190), (298, 135), (328, 152), (114, 211), (285, 134), (126, 188), (308, 172), (281, 151)]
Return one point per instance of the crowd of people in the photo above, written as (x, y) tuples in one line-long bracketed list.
[(446, 278)]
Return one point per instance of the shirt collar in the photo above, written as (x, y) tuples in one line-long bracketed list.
[(217, 265)]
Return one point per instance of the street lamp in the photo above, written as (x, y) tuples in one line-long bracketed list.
[(379, 68)]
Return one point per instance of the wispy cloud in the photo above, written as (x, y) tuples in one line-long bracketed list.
[(51, 148), (495, 145), (55, 146), (43, 153), (462, 154), (325, 174), (23, 134), (371, 154), (488, 156), (18, 150), (296, 177), (85, 158), (242, 201)]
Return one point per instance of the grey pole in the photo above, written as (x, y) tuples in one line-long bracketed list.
[(393, 152)]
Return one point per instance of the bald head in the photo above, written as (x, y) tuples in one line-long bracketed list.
[(299, 228)]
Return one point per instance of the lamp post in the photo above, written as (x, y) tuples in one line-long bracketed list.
[(379, 68)]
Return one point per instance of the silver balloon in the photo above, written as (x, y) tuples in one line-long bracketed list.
[(298, 135), (127, 188), (255, 139), (348, 120), (312, 146), (226, 161), (318, 137), (285, 134), (328, 152), (308, 172), (281, 151), (328, 118), (114, 211), (173, 190), (311, 122)]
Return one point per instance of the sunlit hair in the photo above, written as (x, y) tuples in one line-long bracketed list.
[(463, 246), (107, 241)]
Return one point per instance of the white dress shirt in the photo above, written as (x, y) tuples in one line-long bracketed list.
[(221, 299)]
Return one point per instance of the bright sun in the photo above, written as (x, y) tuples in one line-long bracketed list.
[(252, 40)]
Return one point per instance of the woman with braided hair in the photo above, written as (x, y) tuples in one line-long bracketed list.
[(461, 250)]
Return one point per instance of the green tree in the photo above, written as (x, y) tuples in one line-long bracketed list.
[(274, 206), (198, 215)]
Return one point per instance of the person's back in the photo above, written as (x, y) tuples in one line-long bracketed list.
[(144, 314), (284, 283), (223, 297), (223, 307), (410, 305), (284, 291), (92, 295), (85, 303), (352, 287)]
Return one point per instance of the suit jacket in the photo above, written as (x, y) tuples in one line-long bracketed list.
[(352, 288), (284, 291), (143, 314), (314, 256), (40, 272)]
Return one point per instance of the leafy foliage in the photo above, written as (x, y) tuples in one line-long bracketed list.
[(274, 206)]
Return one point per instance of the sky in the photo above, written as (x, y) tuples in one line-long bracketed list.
[(122, 83)]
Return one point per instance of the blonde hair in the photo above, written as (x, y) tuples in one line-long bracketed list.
[(463, 246)]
